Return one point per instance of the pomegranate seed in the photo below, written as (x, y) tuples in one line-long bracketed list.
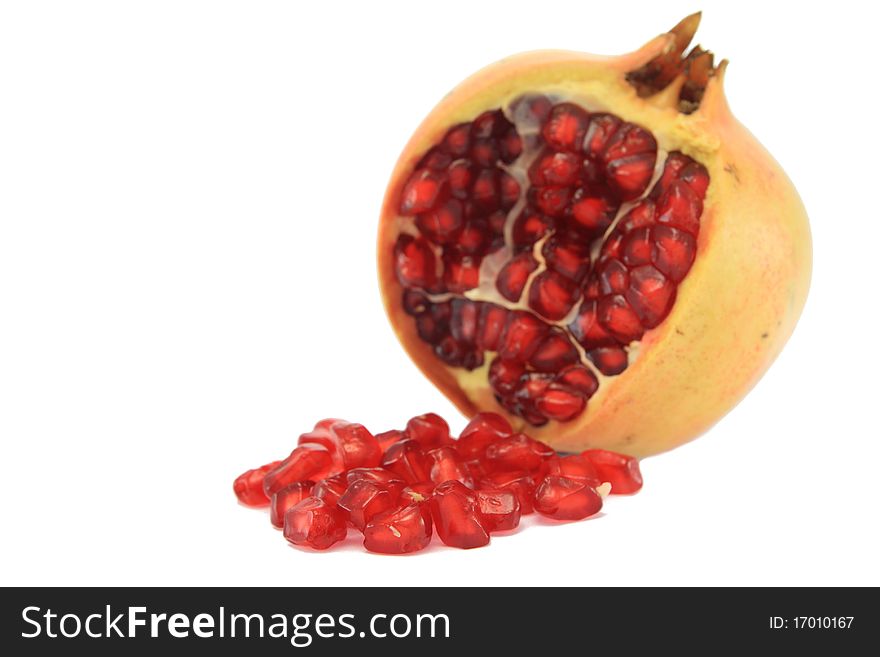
[(474, 238), (517, 482), (621, 471), (379, 476), (428, 430), (566, 127), (564, 498), (491, 123), (619, 318), (460, 272), (461, 176), (630, 156), (529, 227), (435, 159), (514, 275), (640, 215), (613, 277), (557, 169), (695, 176), (363, 499), (463, 325), (568, 257), (637, 248), (560, 404), (399, 531), (609, 360), (509, 190), (552, 295), (650, 294), (599, 133), (521, 336), (680, 207), (315, 523), (407, 460), (504, 375), (518, 452), (248, 486), (585, 327), (510, 146), (331, 488), (414, 303), (674, 252), (483, 430), (414, 262), (552, 201), (485, 192), (456, 516), (573, 466), (286, 498), (579, 378), (485, 152), (357, 446), (499, 510), (446, 465), (593, 212), (491, 324), (554, 352), (433, 325), (388, 438), (457, 141), (304, 463), (443, 224), (422, 191)]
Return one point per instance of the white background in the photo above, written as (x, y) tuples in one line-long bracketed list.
[(189, 194)]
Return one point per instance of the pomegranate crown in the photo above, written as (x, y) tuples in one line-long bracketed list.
[(678, 69)]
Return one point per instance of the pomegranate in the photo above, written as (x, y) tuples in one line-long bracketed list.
[(593, 248), (464, 489)]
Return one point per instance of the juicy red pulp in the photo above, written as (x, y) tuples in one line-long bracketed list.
[(399, 487), (533, 238)]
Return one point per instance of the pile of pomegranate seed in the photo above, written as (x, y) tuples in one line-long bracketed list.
[(397, 487), (546, 216)]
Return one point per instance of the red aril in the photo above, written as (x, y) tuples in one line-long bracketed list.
[(331, 488), (447, 465), (563, 498), (407, 460), (388, 438), (248, 486), (306, 462), (465, 488), (286, 498), (364, 499), (518, 482), (518, 452), (399, 531), (314, 523), (573, 466), (483, 430), (621, 471), (499, 510), (457, 517), (428, 430), (357, 447)]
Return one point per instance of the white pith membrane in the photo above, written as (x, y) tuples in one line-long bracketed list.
[(492, 263)]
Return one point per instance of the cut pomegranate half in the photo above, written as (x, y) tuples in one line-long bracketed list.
[(597, 228)]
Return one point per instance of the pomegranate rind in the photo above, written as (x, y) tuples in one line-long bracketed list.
[(735, 310)]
